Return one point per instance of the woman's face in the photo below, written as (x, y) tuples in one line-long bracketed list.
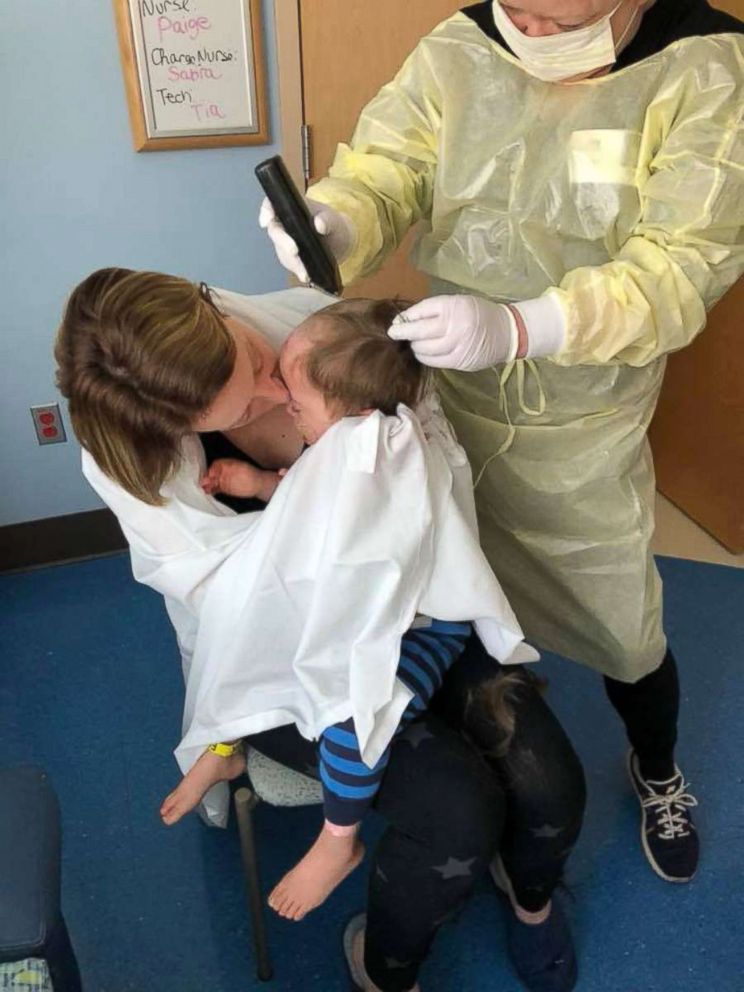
[(254, 387), (537, 18)]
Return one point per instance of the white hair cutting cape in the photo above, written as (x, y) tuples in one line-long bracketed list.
[(295, 614)]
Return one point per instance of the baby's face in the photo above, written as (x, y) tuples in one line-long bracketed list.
[(306, 405)]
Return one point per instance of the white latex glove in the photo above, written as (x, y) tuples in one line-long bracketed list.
[(458, 332), (334, 226)]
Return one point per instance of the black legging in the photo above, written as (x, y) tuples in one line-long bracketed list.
[(649, 709), (451, 807)]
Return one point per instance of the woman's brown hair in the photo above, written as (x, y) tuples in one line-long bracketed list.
[(494, 701), (356, 365), (139, 356)]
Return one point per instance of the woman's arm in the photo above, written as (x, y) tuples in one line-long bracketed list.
[(178, 546), (688, 246)]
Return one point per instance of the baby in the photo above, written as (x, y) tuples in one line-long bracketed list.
[(338, 363)]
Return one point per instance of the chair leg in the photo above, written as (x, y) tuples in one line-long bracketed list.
[(245, 802), (60, 959)]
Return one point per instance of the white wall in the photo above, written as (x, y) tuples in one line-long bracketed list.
[(74, 197)]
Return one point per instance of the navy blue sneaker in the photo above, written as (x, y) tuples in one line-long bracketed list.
[(542, 954), (668, 835)]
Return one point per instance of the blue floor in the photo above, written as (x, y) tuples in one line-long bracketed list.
[(89, 688)]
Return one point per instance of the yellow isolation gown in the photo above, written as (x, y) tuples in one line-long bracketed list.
[(624, 197)]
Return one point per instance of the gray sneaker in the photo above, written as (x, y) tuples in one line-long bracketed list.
[(354, 952)]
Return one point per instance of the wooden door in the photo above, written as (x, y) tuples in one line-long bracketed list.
[(697, 434), (350, 48)]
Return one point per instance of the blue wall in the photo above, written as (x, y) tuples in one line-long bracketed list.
[(74, 196)]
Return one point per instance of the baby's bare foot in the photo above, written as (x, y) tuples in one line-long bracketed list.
[(208, 771), (310, 882)]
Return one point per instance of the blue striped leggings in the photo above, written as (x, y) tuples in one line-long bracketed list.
[(349, 786)]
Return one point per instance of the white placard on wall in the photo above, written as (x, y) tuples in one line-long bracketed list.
[(198, 69)]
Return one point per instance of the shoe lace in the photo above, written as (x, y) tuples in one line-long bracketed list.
[(671, 808)]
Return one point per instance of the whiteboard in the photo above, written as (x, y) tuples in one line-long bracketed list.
[(195, 66)]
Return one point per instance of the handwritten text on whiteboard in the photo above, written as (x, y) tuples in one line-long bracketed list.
[(195, 66)]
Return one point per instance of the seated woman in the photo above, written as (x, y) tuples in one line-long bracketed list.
[(341, 363), (148, 363)]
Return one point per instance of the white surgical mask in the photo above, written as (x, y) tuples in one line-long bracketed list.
[(553, 57)]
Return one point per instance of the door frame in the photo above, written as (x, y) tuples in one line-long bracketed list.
[(289, 78)]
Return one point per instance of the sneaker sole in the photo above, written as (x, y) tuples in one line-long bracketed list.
[(499, 877), (353, 927), (355, 924), (675, 880)]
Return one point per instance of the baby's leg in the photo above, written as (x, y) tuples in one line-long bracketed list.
[(210, 769), (349, 787)]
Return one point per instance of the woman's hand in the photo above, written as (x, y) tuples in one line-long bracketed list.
[(458, 332), (236, 478), (335, 227)]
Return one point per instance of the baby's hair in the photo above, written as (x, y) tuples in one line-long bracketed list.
[(354, 363)]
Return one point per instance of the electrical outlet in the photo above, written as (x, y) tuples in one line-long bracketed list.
[(48, 424)]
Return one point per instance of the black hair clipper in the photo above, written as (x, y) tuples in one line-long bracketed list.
[(294, 216)]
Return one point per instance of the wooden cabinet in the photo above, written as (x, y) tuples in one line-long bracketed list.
[(697, 434)]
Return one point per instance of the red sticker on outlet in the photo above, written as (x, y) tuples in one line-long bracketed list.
[(50, 432), (46, 418)]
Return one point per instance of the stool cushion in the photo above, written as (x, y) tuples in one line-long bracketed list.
[(29, 975), (29, 862), (278, 785)]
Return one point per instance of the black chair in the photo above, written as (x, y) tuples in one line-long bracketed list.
[(31, 922)]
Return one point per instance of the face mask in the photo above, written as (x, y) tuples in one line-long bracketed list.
[(554, 57)]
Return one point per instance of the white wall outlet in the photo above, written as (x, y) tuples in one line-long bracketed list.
[(48, 424)]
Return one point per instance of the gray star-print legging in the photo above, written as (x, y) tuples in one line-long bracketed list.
[(451, 806)]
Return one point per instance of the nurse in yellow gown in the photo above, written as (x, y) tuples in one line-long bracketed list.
[(576, 171)]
